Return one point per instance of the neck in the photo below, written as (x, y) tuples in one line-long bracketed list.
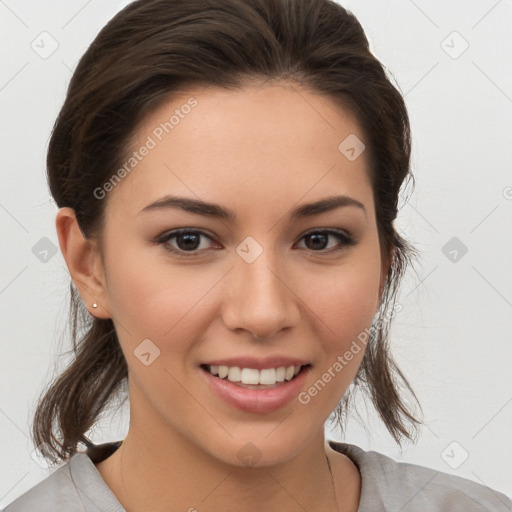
[(162, 481), (158, 469)]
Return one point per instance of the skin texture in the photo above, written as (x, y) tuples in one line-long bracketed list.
[(261, 151)]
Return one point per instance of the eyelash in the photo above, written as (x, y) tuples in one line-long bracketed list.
[(344, 238)]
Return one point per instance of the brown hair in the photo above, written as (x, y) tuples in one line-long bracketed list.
[(151, 49)]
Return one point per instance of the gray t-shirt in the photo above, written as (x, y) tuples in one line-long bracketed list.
[(387, 485)]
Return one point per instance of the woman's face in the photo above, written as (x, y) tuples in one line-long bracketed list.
[(263, 289)]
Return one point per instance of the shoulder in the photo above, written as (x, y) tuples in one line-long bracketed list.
[(76, 486), (55, 492), (390, 485)]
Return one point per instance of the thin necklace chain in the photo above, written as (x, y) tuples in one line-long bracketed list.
[(332, 482)]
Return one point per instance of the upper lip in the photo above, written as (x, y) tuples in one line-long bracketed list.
[(258, 363)]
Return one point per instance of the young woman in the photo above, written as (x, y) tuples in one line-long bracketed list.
[(228, 174)]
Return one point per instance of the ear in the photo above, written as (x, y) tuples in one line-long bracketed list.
[(84, 263)]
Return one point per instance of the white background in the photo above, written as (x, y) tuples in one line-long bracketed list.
[(453, 336)]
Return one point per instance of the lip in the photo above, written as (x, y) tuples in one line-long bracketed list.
[(256, 400), (257, 363)]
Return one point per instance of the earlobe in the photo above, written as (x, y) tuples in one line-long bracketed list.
[(84, 263)]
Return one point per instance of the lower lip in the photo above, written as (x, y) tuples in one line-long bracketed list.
[(257, 400)]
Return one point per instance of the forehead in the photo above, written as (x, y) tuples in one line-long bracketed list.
[(261, 145)]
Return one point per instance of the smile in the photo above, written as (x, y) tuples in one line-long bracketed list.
[(253, 376), (254, 390)]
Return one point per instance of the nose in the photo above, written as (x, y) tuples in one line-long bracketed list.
[(259, 299)]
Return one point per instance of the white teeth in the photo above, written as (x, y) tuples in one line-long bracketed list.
[(267, 376), (289, 372), (223, 371), (249, 376), (234, 374)]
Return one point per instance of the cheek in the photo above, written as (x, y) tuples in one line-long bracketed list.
[(344, 306), (345, 299), (151, 299)]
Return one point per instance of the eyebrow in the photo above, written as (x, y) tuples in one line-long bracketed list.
[(216, 211)]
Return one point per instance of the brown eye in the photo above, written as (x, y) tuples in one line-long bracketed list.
[(185, 241), (318, 240), (188, 241)]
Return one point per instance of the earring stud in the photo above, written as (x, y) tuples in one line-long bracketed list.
[(95, 305)]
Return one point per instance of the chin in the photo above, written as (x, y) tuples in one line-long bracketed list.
[(262, 450)]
